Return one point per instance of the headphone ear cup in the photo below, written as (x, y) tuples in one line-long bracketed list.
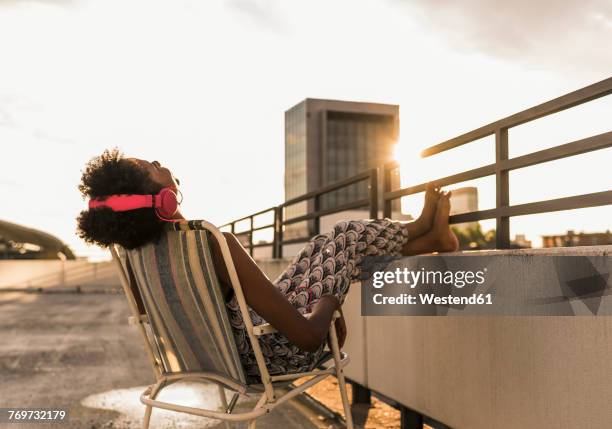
[(169, 203)]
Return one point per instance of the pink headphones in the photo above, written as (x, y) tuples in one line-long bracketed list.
[(165, 203)]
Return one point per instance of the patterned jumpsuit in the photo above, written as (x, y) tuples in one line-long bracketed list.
[(326, 265)]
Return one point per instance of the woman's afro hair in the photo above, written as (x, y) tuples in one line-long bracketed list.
[(109, 174)]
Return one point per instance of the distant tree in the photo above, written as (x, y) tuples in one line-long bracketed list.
[(472, 237)]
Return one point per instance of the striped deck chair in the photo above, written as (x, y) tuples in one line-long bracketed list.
[(176, 302)]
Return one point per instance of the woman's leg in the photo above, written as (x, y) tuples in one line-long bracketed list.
[(323, 266), (328, 263)]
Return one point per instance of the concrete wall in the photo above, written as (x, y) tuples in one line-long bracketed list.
[(56, 273), (488, 372)]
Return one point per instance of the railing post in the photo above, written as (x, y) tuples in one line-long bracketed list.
[(251, 237), (278, 231), (373, 188), (502, 189), (275, 234), (386, 188)]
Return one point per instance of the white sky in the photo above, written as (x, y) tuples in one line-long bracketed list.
[(202, 87)]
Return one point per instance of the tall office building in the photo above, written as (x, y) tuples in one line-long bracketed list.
[(464, 200), (329, 140)]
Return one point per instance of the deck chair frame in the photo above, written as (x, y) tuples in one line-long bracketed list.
[(273, 390)]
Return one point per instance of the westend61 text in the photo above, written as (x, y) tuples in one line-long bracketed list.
[(430, 298)]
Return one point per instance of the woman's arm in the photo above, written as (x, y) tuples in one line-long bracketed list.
[(267, 301)]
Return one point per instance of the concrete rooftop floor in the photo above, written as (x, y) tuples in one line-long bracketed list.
[(76, 351)]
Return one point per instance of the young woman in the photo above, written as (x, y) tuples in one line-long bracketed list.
[(316, 282)]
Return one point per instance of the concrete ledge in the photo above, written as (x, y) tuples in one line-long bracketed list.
[(482, 372), (553, 251)]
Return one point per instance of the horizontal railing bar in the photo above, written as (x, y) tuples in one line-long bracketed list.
[(249, 216), (589, 144), (336, 209), (259, 228), (248, 230), (262, 212), (326, 189), (566, 203), (475, 173), (578, 147), (473, 216), (580, 96)]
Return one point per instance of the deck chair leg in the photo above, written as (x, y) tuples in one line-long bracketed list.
[(252, 424), (340, 374), (147, 417), (224, 404), (149, 409)]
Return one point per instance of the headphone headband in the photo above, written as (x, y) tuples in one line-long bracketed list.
[(165, 203), (122, 202)]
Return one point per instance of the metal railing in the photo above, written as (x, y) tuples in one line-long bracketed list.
[(503, 165), (280, 220), (500, 169)]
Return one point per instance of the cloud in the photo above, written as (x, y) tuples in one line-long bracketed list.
[(568, 34)]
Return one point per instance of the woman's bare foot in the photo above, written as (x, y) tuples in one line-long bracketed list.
[(444, 238), (439, 238), (425, 221)]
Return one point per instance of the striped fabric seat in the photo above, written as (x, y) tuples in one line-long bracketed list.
[(184, 303)]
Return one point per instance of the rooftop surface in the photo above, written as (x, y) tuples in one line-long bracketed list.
[(76, 351)]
